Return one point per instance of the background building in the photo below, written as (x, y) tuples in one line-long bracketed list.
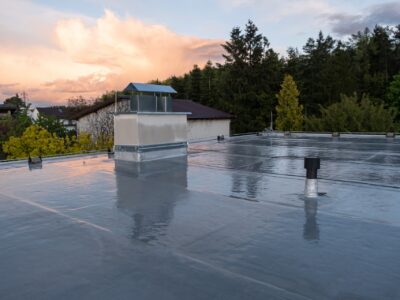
[(203, 122), (61, 113)]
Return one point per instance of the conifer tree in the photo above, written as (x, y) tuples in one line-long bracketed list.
[(289, 112), (393, 93)]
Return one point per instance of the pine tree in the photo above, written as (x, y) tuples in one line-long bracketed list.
[(195, 84), (289, 112), (316, 87), (207, 84), (393, 93)]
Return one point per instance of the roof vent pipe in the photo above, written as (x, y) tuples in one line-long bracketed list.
[(311, 164), (390, 134)]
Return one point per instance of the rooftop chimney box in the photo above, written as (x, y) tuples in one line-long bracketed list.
[(149, 130)]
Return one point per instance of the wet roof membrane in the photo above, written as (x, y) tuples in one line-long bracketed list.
[(228, 222)]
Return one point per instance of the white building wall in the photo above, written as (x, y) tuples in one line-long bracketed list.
[(196, 129), (82, 124), (104, 117), (207, 129)]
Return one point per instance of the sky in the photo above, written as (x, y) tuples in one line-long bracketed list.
[(56, 50)]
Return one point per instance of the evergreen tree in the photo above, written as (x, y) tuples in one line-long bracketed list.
[(393, 93), (289, 112), (396, 50), (317, 82), (208, 84), (195, 84), (341, 73), (178, 84), (247, 82)]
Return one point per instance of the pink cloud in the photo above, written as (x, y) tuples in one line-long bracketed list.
[(90, 57)]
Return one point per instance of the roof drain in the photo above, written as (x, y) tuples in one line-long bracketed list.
[(110, 153), (35, 162), (390, 134), (311, 164), (335, 134)]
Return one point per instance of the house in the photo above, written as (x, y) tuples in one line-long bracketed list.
[(62, 113), (203, 122), (7, 109)]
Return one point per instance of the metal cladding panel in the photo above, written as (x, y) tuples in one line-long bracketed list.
[(149, 88)]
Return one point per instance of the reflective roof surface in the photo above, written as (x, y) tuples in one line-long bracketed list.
[(228, 222)]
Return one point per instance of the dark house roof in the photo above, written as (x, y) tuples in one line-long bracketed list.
[(96, 106), (59, 112), (5, 108), (149, 88), (197, 110)]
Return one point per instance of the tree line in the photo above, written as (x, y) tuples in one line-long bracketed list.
[(246, 84), (330, 85), (21, 136)]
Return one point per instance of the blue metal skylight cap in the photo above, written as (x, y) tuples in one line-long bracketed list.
[(149, 88)]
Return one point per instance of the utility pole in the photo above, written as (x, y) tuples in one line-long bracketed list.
[(24, 96), (116, 102), (272, 122)]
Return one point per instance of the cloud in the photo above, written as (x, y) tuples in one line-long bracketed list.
[(130, 46), (8, 89), (384, 14), (81, 56), (276, 10), (8, 85)]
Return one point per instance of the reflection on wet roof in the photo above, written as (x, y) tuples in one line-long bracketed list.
[(229, 221)]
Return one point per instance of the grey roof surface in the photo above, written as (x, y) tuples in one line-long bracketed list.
[(149, 88), (7, 107), (59, 112), (227, 222), (197, 110)]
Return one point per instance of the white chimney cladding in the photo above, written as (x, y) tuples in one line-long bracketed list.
[(150, 130), (149, 136)]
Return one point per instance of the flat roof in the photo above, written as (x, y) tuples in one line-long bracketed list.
[(229, 221)]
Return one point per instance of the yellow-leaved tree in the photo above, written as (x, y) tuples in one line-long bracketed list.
[(81, 144), (35, 141), (289, 111)]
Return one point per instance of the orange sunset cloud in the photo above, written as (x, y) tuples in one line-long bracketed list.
[(88, 57)]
